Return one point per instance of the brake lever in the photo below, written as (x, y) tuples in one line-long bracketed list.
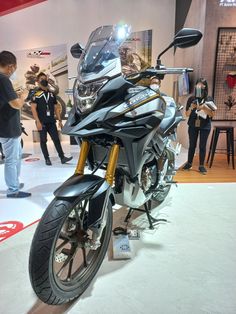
[(180, 108)]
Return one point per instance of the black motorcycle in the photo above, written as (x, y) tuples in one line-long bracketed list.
[(125, 129)]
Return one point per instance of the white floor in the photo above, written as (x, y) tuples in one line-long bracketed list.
[(185, 266), (40, 180)]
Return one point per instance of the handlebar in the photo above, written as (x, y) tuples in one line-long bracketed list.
[(159, 73), (164, 71)]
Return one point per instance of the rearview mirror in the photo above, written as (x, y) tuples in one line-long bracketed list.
[(187, 37), (76, 50)]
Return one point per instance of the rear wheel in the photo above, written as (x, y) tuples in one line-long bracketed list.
[(63, 258), (62, 107), (162, 191), (166, 177)]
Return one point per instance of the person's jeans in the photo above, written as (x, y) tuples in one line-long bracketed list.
[(12, 151)]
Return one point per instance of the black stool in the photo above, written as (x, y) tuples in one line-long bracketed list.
[(229, 130)]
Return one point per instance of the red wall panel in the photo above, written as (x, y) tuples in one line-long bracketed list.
[(10, 6)]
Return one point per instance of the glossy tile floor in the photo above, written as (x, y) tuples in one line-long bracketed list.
[(184, 266)]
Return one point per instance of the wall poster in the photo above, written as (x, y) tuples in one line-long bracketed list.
[(50, 60), (136, 52), (224, 88)]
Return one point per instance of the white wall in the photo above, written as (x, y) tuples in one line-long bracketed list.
[(68, 21)]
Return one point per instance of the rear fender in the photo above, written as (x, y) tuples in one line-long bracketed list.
[(78, 186)]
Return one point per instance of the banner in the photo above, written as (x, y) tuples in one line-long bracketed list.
[(136, 52)]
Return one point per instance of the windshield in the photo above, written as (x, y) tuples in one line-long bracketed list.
[(101, 56)]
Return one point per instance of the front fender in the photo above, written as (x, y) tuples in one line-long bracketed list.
[(92, 185), (78, 185)]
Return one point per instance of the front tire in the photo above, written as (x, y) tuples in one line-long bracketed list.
[(61, 246)]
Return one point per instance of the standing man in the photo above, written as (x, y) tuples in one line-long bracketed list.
[(44, 107), (10, 127)]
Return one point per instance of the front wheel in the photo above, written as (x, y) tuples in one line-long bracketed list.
[(63, 259)]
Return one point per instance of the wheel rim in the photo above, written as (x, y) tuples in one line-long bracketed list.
[(73, 260), (161, 193)]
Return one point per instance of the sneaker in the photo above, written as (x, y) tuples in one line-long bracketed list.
[(48, 162), (19, 194), (202, 169), (187, 166), (65, 159)]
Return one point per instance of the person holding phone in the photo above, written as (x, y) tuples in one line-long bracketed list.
[(10, 126), (200, 109)]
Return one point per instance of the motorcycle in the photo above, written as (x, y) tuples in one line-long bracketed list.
[(125, 129)]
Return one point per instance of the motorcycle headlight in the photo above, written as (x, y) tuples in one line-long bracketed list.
[(85, 94)]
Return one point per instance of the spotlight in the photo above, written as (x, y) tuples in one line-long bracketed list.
[(123, 32)]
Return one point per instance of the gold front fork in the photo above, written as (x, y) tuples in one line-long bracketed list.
[(111, 167), (84, 150)]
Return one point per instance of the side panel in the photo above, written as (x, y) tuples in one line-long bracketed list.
[(134, 150)]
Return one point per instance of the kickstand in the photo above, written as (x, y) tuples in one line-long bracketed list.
[(147, 210)]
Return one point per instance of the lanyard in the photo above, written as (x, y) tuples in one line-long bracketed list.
[(47, 100)]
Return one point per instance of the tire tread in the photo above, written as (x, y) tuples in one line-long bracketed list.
[(40, 254)]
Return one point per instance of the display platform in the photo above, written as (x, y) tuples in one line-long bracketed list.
[(187, 265)]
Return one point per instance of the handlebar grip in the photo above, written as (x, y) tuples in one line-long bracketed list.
[(174, 70), (163, 71), (148, 73)]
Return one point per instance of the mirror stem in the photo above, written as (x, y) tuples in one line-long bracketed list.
[(171, 45)]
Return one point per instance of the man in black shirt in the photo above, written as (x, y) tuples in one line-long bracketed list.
[(10, 127), (44, 107)]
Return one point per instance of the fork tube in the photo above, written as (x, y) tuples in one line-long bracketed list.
[(111, 167), (84, 150)]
